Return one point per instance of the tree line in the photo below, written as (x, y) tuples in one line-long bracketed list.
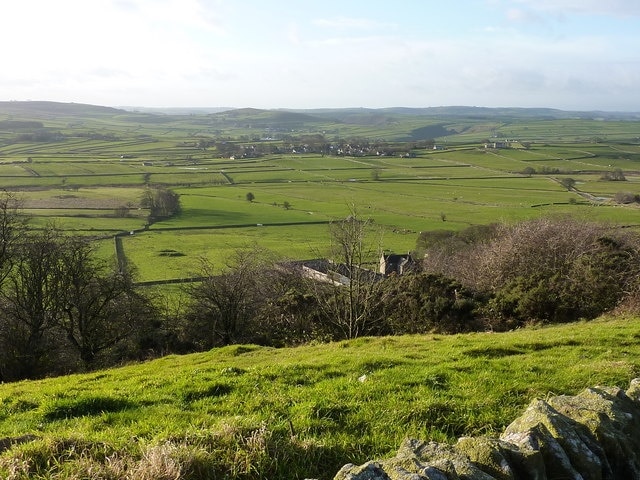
[(493, 277), (63, 308)]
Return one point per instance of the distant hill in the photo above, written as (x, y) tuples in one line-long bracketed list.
[(269, 115), (393, 123), (272, 119), (46, 109), (360, 116), (344, 114), (177, 110)]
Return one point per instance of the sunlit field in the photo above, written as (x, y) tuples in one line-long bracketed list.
[(90, 177)]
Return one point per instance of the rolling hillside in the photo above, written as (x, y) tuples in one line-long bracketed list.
[(253, 412)]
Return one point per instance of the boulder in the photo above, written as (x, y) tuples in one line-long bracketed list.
[(568, 449), (613, 419)]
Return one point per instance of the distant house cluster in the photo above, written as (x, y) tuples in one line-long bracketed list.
[(497, 145)]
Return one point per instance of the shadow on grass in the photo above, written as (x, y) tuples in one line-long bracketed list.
[(65, 408), (207, 391)]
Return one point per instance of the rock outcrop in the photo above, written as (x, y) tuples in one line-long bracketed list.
[(594, 435)]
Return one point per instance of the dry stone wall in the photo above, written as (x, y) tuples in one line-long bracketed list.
[(594, 435)]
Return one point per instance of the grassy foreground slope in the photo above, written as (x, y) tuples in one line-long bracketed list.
[(254, 412)]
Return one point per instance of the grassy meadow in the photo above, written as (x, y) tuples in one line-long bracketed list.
[(101, 161), (256, 412)]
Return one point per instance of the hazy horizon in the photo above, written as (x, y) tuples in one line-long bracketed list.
[(576, 55), (217, 109)]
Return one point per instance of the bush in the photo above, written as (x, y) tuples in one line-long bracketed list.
[(547, 270), (626, 197), (420, 303), (617, 175)]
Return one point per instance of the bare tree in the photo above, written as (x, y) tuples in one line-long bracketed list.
[(101, 307), (351, 305), (31, 305), (161, 202), (225, 303), (568, 183), (57, 299), (11, 226)]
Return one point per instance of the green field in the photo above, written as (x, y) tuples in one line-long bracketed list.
[(84, 163)]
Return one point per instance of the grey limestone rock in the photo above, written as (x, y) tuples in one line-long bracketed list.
[(613, 419), (568, 448)]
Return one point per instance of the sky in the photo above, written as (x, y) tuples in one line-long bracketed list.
[(566, 54)]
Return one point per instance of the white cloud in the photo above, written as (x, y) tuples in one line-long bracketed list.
[(173, 13), (75, 45), (592, 7), (353, 23), (215, 52), (293, 34), (522, 15)]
